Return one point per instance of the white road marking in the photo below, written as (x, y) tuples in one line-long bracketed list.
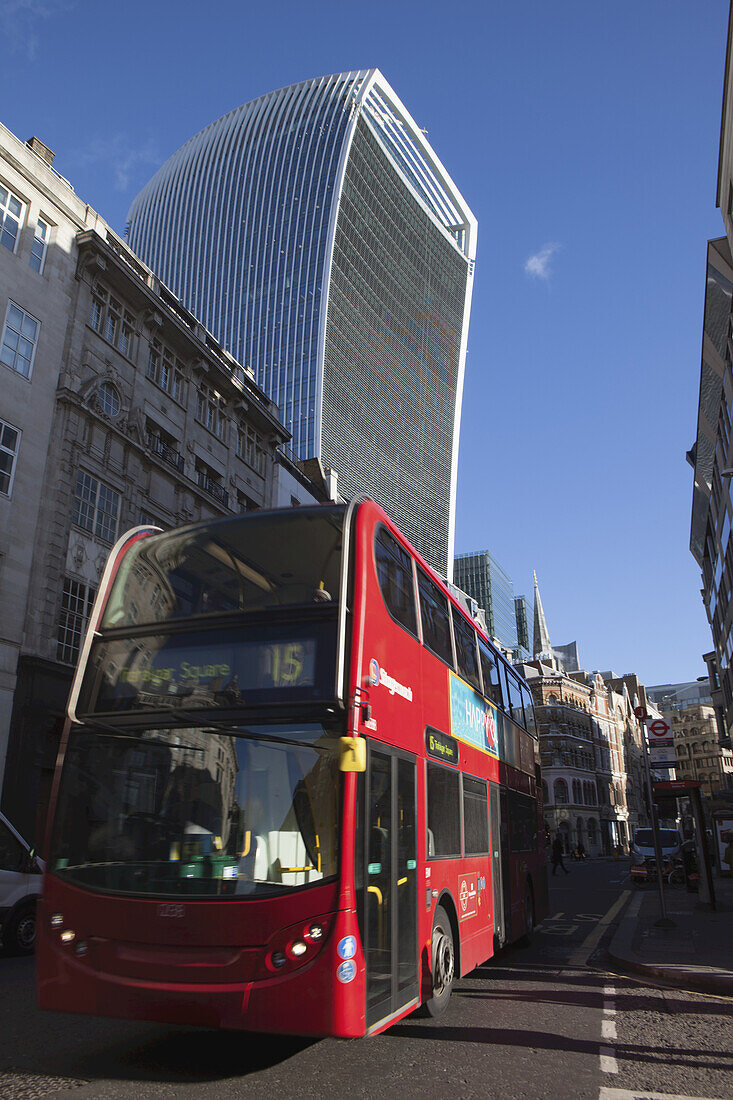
[(608, 1029), (557, 916), (644, 1094), (588, 946), (565, 930), (608, 1060)]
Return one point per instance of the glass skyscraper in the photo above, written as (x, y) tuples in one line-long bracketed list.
[(319, 238), (480, 575)]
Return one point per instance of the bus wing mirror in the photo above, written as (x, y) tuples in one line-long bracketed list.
[(353, 754)]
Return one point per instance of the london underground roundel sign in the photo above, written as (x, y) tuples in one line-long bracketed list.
[(660, 728)]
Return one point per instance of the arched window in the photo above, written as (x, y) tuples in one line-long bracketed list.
[(576, 791), (560, 789), (591, 830), (109, 399)]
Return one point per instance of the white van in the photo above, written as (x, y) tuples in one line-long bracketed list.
[(643, 845), (20, 888)]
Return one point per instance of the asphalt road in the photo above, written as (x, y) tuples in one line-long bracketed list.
[(540, 1022)]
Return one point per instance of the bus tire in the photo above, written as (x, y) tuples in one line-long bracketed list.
[(527, 916), (19, 933), (443, 963)]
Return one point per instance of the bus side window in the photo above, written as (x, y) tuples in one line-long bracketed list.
[(522, 822), (466, 659), (475, 816), (443, 812), (394, 570), (490, 671), (528, 709), (514, 697), (435, 618)]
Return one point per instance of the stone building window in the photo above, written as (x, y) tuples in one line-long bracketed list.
[(40, 244), (210, 410), (109, 399), (19, 340), (96, 507), (165, 369), (9, 447), (211, 482), (11, 215), (111, 320), (76, 606), (250, 447), (560, 790)]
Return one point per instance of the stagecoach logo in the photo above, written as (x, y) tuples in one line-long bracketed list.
[(379, 675)]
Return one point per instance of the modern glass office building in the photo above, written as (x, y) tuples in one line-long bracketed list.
[(317, 235), (481, 576)]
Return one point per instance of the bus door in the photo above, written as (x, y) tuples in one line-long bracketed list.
[(500, 881), (390, 884)]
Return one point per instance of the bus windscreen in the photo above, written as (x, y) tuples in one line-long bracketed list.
[(253, 562)]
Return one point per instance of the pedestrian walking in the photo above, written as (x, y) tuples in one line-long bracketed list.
[(557, 856)]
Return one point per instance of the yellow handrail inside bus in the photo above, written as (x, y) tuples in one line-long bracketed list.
[(378, 892)]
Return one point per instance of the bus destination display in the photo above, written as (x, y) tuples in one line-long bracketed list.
[(221, 669)]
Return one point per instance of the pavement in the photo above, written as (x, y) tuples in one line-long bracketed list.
[(696, 954)]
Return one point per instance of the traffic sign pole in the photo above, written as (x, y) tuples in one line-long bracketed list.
[(664, 921)]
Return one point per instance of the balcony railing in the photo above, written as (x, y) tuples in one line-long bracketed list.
[(163, 450), (212, 487)]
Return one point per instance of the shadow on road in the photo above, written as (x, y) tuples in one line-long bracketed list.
[(191, 1056)]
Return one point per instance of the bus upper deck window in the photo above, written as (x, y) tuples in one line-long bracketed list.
[(394, 570), (528, 710), (515, 697), (466, 658), (435, 618), (490, 672)]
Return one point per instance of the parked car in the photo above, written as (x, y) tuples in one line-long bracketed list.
[(20, 888)]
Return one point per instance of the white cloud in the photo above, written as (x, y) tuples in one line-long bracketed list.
[(117, 152), (538, 265), (19, 20)]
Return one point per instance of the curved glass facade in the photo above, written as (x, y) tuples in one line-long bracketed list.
[(317, 236)]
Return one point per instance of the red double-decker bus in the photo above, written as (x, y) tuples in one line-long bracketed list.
[(297, 790)]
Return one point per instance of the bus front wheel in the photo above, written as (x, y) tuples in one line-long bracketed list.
[(443, 963)]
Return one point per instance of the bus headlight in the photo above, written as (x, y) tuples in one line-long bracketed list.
[(67, 936), (57, 920), (293, 947)]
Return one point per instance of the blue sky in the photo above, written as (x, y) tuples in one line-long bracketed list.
[(584, 136)]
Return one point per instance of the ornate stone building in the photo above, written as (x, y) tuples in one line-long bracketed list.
[(591, 749), (116, 408), (699, 754)]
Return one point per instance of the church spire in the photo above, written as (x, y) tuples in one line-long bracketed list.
[(541, 635)]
